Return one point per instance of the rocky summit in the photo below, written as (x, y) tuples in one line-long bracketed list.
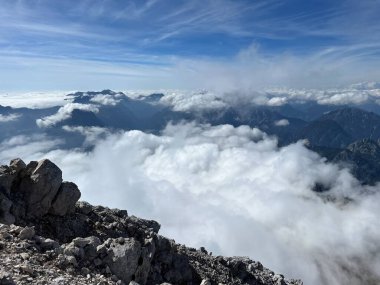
[(48, 237)]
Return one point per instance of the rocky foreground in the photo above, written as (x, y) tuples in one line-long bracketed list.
[(48, 237)]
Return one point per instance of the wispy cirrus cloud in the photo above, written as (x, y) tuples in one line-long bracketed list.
[(332, 41)]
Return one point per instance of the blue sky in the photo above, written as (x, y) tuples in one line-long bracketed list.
[(92, 44)]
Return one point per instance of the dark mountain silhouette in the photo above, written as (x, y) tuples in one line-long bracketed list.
[(325, 133), (363, 158), (25, 123), (355, 122)]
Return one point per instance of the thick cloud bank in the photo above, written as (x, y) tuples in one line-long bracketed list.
[(33, 100), (103, 99), (356, 94), (9, 118), (64, 113), (236, 192)]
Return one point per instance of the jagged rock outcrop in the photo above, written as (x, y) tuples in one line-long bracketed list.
[(47, 237), (34, 190)]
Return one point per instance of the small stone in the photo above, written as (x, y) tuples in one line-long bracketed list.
[(71, 249), (6, 236), (27, 269), (101, 249), (83, 207), (202, 249), (120, 240), (97, 262), (49, 244), (205, 282), (27, 233), (25, 256), (71, 260)]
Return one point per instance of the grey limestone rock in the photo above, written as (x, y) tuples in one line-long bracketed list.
[(27, 233), (64, 202), (123, 259), (17, 165), (34, 190), (40, 188)]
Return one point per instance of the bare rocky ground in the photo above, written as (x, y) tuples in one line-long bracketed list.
[(48, 237)]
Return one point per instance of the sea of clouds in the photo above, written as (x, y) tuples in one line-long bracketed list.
[(232, 190), (188, 100), (356, 94)]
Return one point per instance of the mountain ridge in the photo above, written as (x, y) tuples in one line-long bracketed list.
[(329, 129)]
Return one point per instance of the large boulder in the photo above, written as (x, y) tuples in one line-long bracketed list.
[(39, 187), (123, 258), (64, 202), (34, 190), (128, 260)]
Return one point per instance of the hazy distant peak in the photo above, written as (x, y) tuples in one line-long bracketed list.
[(104, 97), (366, 85)]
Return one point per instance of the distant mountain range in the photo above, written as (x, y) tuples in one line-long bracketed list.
[(344, 134)]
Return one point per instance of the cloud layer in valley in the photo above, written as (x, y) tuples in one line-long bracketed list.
[(234, 191), (64, 113), (9, 118), (356, 94), (33, 100)]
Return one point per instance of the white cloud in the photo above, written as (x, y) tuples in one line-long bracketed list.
[(33, 100), (9, 118), (193, 101), (64, 113), (235, 192), (281, 123), (106, 99), (205, 100), (336, 96), (92, 134), (253, 69), (277, 101), (26, 146)]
